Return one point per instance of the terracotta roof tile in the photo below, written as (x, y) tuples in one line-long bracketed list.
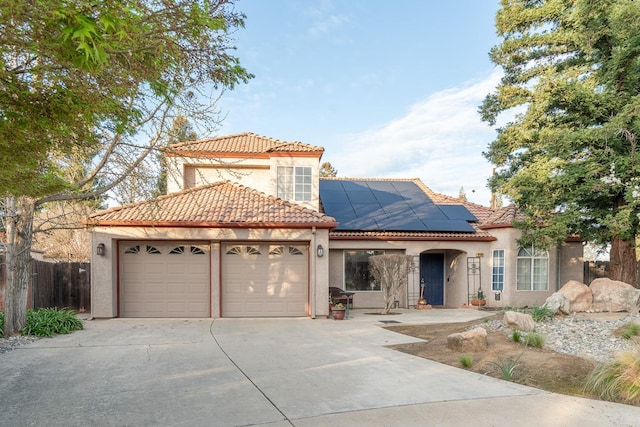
[(478, 235), (242, 143), (503, 217), (222, 204)]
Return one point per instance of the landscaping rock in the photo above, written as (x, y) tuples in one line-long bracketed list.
[(520, 321), (472, 340), (579, 296), (571, 298), (558, 302), (614, 296)]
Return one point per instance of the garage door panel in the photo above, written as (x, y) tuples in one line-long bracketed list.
[(264, 280), (164, 279)]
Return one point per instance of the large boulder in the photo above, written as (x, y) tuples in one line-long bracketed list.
[(472, 340), (614, 296), (577, 298), (520, 321)]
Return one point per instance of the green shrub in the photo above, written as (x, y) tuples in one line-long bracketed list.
[(541, 312), (516, 335), (534, 339), (631, 330), (617, 380), (46, 322), (507, 366), (466, 361), (1, 324)]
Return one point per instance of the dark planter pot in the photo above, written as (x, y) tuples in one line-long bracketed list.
[(478, 302), (338, 314)]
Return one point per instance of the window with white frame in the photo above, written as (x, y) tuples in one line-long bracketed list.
[(497, 274), (294, 183), (357, 275), (532, 269)]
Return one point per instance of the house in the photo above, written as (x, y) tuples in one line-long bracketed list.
[(249, 229)]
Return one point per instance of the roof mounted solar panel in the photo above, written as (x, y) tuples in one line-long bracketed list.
[(374, 205), (362, 197), (457, 212), (454, 226)]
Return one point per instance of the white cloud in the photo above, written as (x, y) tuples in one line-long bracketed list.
[(440, 140)]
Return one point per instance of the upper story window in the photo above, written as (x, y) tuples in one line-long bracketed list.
[(532, 269), (294, 183)]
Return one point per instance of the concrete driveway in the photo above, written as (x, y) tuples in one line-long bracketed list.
[(267, 372)]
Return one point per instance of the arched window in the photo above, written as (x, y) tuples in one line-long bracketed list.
[(532, 269)]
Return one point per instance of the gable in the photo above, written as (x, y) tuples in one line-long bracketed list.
[(390, 205)]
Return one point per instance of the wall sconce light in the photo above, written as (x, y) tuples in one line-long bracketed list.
[(101, 249), (320, 251)]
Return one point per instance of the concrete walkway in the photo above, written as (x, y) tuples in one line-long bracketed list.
[(267, 372)]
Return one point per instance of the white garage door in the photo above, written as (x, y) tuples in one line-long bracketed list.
[(265, 280), (164, 279)]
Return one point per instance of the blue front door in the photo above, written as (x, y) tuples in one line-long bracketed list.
[(432, 275)]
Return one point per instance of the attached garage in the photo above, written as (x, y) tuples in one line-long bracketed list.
[(164, 279), (220, 250), (265, 279)]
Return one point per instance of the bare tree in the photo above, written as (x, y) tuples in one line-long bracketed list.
[(391, 271), (88, 89)]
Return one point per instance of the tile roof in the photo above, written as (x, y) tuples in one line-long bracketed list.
[(483, 213), (221, 204), (478, 235), (502, 217), (242, 143)]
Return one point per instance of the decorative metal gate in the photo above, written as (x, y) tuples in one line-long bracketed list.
[(413, 282), (474, 278)]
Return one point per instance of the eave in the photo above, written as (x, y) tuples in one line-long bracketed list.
[(172, 224)]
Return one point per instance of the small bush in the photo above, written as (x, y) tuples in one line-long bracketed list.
[(630, 331), (466, 361), (1, 324), (617, 380), (534, 339), (46, 322), (507, 366), (516, 335), (541, 312)]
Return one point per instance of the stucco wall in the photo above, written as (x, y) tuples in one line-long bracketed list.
[(104, 269), (564, 264), (259, 174), (455, 277), (185, 172)]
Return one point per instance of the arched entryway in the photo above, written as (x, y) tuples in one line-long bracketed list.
[(432, 277)]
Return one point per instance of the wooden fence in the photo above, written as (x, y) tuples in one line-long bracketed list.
[(596, 269), (62, 285)]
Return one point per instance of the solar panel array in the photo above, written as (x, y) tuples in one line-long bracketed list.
[(390, 206)]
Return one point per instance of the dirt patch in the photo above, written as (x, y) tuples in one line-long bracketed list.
[(540, 368)]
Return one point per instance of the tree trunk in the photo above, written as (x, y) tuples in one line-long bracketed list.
[(19, 213), (623, 265)]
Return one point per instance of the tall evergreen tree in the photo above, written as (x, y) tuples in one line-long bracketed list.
[(568, 159)]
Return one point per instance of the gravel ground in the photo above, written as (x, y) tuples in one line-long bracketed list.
[(581, 335), (8, 344)]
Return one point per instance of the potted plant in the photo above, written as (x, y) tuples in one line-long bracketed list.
[(478, 299), (338, 311)]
